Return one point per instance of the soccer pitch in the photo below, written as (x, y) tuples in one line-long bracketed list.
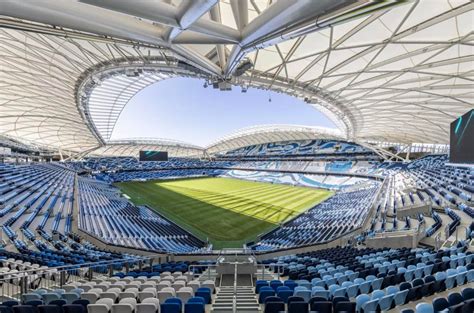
[(228, 212)]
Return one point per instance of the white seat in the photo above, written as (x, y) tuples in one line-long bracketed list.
[(195, 284), (151, 284), (147, 308), (167, 278), (163, 284), (107, 302), (148, 293), (177, 274), (181, 278), (185, 294), (209, 284), (177, 285), (91, 296), (97, 308), (109, 295), (122, 308), (131, 301), (165, 294)]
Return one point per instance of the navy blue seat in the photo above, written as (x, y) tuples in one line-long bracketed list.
[(83, 302), (467, 293), (10, 303), (49, 309), (5, 309), (345, 306), (274, 307), (298, 307), (34, 302), (194, 308), (455, 298), (74, 308), (440, 304), (204, 293), (59, 302), (24, 309), (170, 308), (265, 294), (321, 306)]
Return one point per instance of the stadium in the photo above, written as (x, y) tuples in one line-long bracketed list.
[(236, 156)]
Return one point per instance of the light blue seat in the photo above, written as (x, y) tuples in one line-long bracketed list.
[(370, 278), (304, 283), (371, 306), (305, 294), (48, 297), (321, 283), (359, 281), (377, 294), (400, 297), (391, 290), (409, 274), (316, 280), (451, 278), (364, 288), (322, 293), (439, 276), (329, 280), (377, 283), (361, 300), (424, 307), (351, 291), (460, 278), (70, 297), (30, 297), (317, 288), (300, 288), (333, 288), (419, 270), (385, 302), (428, 269), (470, 276), (340, 292)]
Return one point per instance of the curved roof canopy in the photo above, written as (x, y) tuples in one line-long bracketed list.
[(271, 133), (132, 147), (397, 71)]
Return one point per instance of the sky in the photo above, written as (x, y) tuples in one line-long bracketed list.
[(181, 109)]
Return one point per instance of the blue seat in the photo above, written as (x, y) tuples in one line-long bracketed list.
[(290, 283), (5, 309), (24, 309), (30, 296), (385, 303), (321, 307), (455, 298), (400, 297), (264, 294), (170, 308), (424, 308), (175, 301), (298, 307), (371, 306), (275, 284), (470, 276), (440, 304), (259, 284), (274, 307), (197, 300), (10, 303), (73, 308), (468, 294), (49, 309), (284, 295), (70, 297), (34, 303), (194, 308), (204, 293), (305, 294), (322, 294), (361, 300), (83, 302), (345, 306)]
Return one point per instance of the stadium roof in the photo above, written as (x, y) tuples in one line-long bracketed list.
[(271, 133), (397, 71), (132, 147)]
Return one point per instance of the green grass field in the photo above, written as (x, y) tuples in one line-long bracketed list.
[(228, 211)]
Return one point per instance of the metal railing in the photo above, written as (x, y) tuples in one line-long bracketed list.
[(13, 284)]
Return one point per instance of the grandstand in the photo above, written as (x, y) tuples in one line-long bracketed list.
[(373, 214)]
